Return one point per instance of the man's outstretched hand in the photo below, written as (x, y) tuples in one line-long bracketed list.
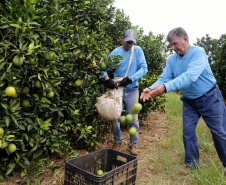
[(158, 90)]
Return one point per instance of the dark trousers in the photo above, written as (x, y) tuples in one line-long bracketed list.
[(211, 107)]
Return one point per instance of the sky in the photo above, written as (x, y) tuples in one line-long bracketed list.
[(197, 17)]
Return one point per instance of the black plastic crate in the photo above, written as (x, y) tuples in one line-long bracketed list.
[(121, 169)]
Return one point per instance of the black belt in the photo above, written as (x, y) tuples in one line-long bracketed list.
[(207, 92)]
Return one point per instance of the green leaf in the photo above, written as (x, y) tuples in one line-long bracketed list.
[(34, 23), (2, 65), (29, 127), (5, 106), (37, 154), (14, 119), (44, 100), (16, 25), (10, 168), (26, 136)]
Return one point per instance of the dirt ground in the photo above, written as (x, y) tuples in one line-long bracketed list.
[(152, 131)]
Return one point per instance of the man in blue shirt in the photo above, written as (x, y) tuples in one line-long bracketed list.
[(188, 69), (138, 69)]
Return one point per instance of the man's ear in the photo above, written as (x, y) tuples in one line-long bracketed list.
[(122, 38)]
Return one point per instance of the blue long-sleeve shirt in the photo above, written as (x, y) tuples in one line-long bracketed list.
[(138, 67), (191, 73)]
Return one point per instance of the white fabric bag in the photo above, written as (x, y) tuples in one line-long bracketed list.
[(109, 105)]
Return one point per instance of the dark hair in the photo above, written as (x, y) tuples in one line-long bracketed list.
[(176, 32)]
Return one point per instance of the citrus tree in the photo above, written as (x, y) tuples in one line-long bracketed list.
[(51, 55)]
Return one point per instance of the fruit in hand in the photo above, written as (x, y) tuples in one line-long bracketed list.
[(132, 131)]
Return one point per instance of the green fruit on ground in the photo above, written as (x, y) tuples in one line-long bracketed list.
[(1, 178), (50, 94), (102, 65), (92, 144), (129, 118), (12, 147), (38, 84), (15, 95), (137, 107), (86, 23), (1, 130), (25, 90), (93, 64), (4, 144), (132, 131), (122, 119), (100, 172), (25, 103), (17, 60), (10, 91), (62, 155), (78, 82)]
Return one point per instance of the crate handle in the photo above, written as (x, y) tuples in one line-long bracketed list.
[(121, 158)]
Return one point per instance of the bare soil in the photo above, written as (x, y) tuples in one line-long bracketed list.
[(152, 132)]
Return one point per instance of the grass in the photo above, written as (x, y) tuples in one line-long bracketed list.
[(171, 151)]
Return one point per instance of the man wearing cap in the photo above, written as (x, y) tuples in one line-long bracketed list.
[(137, 70)]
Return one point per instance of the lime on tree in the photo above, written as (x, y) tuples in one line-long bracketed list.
[(102, 65), (1, 130), (38, 84), (15, 95), (100, 172), (10, 91), (4, 144), (86, 23), (12, 147), (33, 61), (17, 60), (50, 94), (25, 103), (93, 64), (78, 82), (52, 55), (132, 131), (25, 90)]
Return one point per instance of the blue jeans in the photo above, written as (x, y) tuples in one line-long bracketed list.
[(129, 99), (211, 107)]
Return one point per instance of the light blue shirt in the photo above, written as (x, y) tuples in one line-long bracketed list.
[(138, 67), (191, 73)]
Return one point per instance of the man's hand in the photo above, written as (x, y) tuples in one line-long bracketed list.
[(110, 84), (158, 90), (125, 82)]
